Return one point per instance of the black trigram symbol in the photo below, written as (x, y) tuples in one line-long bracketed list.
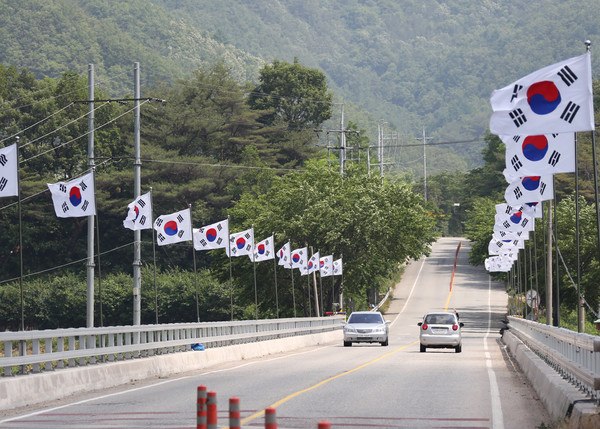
[(554, 158), (570, 111), (518, 117), (567, 75)]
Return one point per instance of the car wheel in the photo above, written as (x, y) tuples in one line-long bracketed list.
[(423, 348), (458, 348), (384, 343), (347, 343)]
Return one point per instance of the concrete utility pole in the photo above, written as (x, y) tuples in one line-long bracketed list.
[(380, 125), (91, 219), (91, 164), (342, 143), (425, 164), (342, 147), (137, 185)]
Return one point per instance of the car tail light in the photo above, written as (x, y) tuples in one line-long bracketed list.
[(424, 326), (455, 327)]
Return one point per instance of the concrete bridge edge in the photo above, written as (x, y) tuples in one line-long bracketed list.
[(563, 401)]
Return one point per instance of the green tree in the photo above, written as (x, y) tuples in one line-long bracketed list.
[(296, 95), (373, 225), (480, 227)]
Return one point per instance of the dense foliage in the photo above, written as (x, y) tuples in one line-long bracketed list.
[(412, 63), (207, 146), (373, 225)]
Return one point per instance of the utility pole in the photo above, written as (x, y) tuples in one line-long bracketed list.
[(137, 190), (90, 219), (342, 144), (342, 147), (425, 164), (380, 125)]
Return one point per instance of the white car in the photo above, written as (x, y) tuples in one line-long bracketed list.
[(366, 327), (441, 330)]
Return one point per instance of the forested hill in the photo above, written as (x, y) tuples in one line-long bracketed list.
[(411, 63)]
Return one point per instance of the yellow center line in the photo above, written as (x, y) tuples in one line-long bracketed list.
[(448, 301), (321, 383)]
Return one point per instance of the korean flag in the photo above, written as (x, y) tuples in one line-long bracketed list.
[(8, 171), (554, 99), (174, 228), (75, 198)]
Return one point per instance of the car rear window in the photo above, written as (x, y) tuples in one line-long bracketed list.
[(365, 318), (441, 319)]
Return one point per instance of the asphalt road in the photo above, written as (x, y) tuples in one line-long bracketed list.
[(364, 386)]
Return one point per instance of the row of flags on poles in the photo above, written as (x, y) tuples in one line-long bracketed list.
[(536, 117), (76, 198), (177, 227)]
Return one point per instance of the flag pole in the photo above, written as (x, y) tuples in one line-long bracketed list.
[(342, 285), (579, 305), (557, 271), (537, 289), (549, 267), (309, 299), (195, 272), (321, 289), (254, 268), (230, 269), (308, 282), (594, 157), (154, 258), (275, 271), (293, 291), (99, 270), (314, 273)]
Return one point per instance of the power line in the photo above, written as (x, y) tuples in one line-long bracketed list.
[(83, 135), (37, 123)]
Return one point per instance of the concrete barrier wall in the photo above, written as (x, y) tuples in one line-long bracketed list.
[(562, 400), (19, 391)]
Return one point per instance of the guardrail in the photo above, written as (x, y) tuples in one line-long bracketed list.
[(33, 351), (575, 356)]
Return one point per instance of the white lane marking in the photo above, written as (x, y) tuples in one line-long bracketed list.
[(411, 292), (497, 417), (84, 401)]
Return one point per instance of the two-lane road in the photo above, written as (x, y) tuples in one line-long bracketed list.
[(360, 386)]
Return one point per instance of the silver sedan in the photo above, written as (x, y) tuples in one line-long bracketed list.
[(366, 327), (441, 330)]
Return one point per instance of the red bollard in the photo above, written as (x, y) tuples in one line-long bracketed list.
[(234, 413), (211, 408), (270, 418), (324, 425), (201, 408)]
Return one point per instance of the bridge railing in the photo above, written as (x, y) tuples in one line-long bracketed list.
[(33, 351), (574, 355)]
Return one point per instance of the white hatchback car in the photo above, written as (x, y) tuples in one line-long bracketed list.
[(441, 330), (366, 327)]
